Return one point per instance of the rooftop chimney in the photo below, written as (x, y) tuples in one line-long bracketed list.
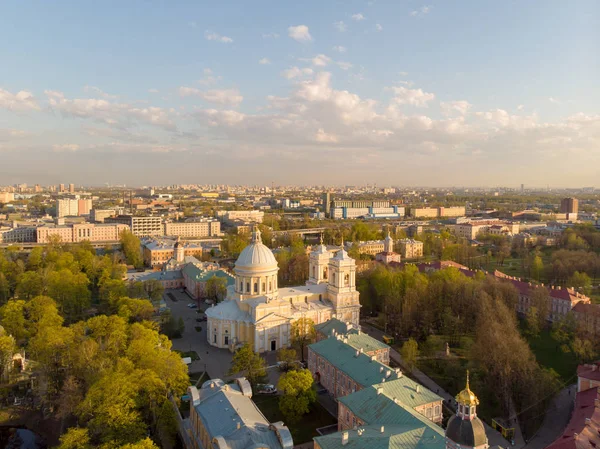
[(379, 390), (357, 353), (381, 369), (239, 425), (344, 438), (382, 429), (418, 388)]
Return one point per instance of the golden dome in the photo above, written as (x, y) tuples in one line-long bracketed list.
[(467, 397)]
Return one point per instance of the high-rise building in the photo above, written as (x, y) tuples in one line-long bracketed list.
[(66, 207), (61, 188), (569, 206), (326, 197), (37, 188), (71, 188)]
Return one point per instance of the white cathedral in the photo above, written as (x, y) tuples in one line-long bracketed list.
[(256, 311)]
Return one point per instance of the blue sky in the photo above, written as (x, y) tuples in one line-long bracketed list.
[(313, 92)]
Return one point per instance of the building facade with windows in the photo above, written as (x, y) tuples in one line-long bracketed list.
[(80, 232), (205, 227), (258, 312), (148, 226)]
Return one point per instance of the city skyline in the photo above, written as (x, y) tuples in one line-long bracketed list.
[(410, 93)]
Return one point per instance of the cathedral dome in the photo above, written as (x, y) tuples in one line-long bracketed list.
[(256, 256)]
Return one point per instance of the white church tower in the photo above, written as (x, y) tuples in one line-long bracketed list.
[(318, 265), (341, 287)]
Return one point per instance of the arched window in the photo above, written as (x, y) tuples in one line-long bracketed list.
[(256, 287), (314, 271), (241, 286), (428, 412), (263, 286), (346, 279), (270, 286), (247, 287), (333, 277), (325, 273), (437, 410)]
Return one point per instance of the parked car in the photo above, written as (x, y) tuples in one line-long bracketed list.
[(208, 301), (283, 366), (267, 389), (201, 319), (192, 305)]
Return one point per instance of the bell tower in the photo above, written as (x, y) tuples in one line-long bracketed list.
[(318, 265), (465, 430), (341, 287)]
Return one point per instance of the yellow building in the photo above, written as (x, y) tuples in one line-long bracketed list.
[(258, 312)]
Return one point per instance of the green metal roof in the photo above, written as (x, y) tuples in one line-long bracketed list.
[(333, 325), (201, 275), (359, 367), (367, 343), (381, 408), (399, 436)]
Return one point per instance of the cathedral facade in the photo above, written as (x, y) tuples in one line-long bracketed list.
[(258, 312)]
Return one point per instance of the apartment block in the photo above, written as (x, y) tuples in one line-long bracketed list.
[(205, 227), (140, 226), (21, 234), (80, 232), (253, 216), (7, 197), (410, 248), (72, 207), (99, 215)]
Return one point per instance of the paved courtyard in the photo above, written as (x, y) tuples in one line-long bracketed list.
[(215, 361)]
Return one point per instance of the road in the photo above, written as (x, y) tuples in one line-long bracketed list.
[(556, 419)]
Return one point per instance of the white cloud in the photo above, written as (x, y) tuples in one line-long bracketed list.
[(344, 65), (212, 36), (520, 107), (264, 61), (69, 147), (378, 27), (452, 107), (22, 101), (323, 137), (229, 97), (300, 33), (340, 26), (414, 97), (121, 115), (358, 17), (270, 36), (421, 11), (296, 72), (553, 100), (98, 92), (320, 60), (209, 78), (153, 91), (339, 48), (403, 73)]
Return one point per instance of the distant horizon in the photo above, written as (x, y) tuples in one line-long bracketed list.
[(418, 93)]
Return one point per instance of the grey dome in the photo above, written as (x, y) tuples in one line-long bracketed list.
[(469, 433)]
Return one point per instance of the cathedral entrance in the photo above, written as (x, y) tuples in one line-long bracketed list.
[(273, 345)]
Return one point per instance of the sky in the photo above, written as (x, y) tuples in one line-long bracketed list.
[(326, 92)]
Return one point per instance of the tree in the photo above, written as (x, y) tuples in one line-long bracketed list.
[(70, 291), (298, 394), (533, 321), (537, 267), (303, 334), (12, 318), (248, 363), (580, 281), (131, 247), (216, 288), (409, 352), (287, 356), (540, 299), (8, 348), (75, 438), (583, 349), (154, 289)]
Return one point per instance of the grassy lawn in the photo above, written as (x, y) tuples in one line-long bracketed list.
[(305, 429), (192, 354), (548, 354)]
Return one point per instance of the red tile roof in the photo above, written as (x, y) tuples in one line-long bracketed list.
[(583, 430), (587, 309), (589, 371)]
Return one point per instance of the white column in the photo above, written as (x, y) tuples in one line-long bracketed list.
[(255, 339)]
